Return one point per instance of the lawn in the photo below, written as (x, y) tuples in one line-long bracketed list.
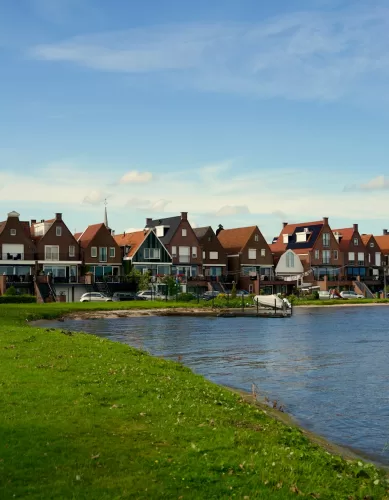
[(85, 418)]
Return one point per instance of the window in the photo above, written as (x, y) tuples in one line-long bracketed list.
[(58, 231), (151, 253), (174, 251), (183, 232), (112, 251), (103, 254), (326, 256), (93, 252), (214, 255), (336, 255), (369, 256), (301, 237), (372, 244), (194, 252), (290, 259), (252, 253), (209, 238), (361, 258), (184, 254), (256, 237), (12, 232), (263, 252), (72, 251), (326, 239), (351, 256), (317, 254), (356, 242), (51, 252), (203, 255), (285, 238)]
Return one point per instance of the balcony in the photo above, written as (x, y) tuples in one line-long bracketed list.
[(12, 256), (57, 257)]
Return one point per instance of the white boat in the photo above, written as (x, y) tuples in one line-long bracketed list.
[(274, 301)]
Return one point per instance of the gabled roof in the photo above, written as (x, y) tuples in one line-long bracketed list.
[(314, 229), (234, 240), (366, 238), (77, 236), (346, 237), (200, 232), (383, 243), (172, 222), (132, 240), (88, 235), (2, 226)]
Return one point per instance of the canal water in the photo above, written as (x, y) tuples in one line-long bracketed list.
[(329, 367)]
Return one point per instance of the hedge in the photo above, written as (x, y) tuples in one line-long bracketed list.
[(17, 299)]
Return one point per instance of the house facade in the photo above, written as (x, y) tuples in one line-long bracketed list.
[(250, 261), (57, 251), (213, 254), (181, 242), (383, 243), (354, 255), (144, 251), (100, 252)]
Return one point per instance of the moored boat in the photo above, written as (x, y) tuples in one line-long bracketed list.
[(274, 301)]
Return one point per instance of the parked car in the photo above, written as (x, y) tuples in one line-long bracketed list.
[(95, 297), (150, 295), (332, 294), (210, 295), (121, 296), (240, 293), (351, 295)]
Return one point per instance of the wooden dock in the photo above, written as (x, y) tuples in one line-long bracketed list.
[(254, 312)]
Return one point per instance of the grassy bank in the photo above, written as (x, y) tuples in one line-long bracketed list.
[(339, 302), (82, 417)]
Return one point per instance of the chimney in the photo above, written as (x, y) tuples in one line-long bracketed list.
[(325, 220), (184, 215), (355, 226), (284, 224), (33, 221), (124, 233), (385, 232), (148, 221), (58, 216)]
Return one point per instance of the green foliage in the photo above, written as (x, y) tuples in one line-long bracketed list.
[(11, 291), (83, 417), (186, 297), (17, 299), (233, 291), (142, 280), (172, 286)]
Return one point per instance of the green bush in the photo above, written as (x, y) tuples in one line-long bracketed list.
[(185, 297), (17, 299), (11, 291)]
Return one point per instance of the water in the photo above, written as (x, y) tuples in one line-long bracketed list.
[(329, 367)]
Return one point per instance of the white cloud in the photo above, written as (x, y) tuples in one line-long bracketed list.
[(138, 202), (135, 177), (380, 183), (95, 197), (301, 55), (227, 210)]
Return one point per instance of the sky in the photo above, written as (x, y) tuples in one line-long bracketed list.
[(238, 112)]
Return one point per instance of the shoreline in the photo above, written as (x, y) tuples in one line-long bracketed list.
[(344, 451)]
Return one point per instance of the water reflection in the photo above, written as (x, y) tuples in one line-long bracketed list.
[(328, 367)]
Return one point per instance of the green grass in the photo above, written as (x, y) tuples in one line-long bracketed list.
[(338, 302), (85, 418)]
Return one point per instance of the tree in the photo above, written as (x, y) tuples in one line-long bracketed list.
[(142, 280), (172, 286)]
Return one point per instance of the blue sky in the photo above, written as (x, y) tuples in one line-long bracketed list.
[(239, 112)]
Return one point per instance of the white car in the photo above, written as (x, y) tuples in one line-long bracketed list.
[(351, 295), (151, 295), (95, 297)]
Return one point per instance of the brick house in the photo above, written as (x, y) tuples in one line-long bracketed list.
[(316, 246), (383, 243), (100, 252), (57, 251), (214, 255), (374, 257), (353, 252), (249, 257), (17, 251), (178, 237), (145, 252)]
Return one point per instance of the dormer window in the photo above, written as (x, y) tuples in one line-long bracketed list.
[(58, 231), (285, 238), (12, 232)]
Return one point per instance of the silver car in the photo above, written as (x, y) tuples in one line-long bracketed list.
[(95, 297), (351, 295)]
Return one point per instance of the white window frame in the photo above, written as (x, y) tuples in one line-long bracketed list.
[(194, 252), (326, 256), (48, 257), (372, 244), (351, 256), (72, 250), (263, 252), (203, 254), (356, 242), (100, 254), (58, 231), (326, 240), (174, 251), (184, 232), (213, 255), (285, 238), (256, 237), (93, 252), (290, 260), (12, 232), (152, 253), (112, 252), (336, 255), (317, 254), (361, 254), (252, 253)]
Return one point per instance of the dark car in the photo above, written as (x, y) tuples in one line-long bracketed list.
[(210, 295), (122, 296)]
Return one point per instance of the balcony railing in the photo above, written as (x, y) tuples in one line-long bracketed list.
[(13, 256), (57, 257)]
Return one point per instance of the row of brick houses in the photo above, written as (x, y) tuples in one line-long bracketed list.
[(303, 255)]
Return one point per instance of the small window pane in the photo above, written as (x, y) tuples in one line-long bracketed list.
[(58, 231), (94, 252), (184, 232)]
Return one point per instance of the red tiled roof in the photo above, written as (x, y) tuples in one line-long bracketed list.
[(77, 236), (133, 240), (365, 238), (346, 236), (279, 246), (2, 226), (383, 243), (89, 233), (234, 240)]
